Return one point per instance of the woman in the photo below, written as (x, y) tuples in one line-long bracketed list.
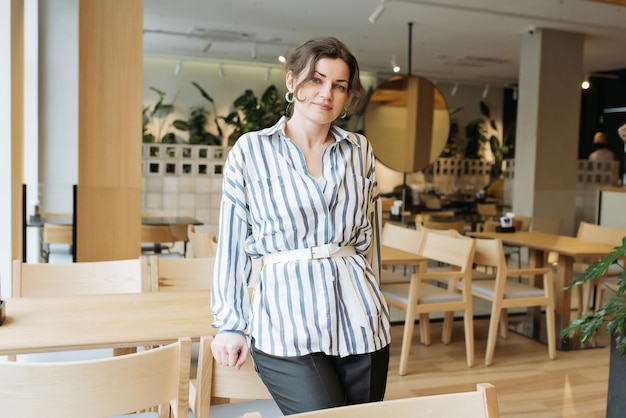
[(302, 194)]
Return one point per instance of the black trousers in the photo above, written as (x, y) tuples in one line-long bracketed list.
[(318, 381)]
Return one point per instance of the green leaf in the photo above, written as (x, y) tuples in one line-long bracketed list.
[(484, 110)]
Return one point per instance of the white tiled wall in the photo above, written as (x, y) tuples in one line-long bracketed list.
[(183, 180)]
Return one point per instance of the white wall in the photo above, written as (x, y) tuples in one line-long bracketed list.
[(58, 103)]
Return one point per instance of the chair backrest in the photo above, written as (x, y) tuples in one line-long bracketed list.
[(224, 382), (487, 209), (449, 249), (426, 215), (432, 202), (399, 237), (99, 388), (179, 274), (203, 244), (481, 403), (525, 222), (57, 234), (489, 252), (600, 233), (82, 278), (163, 233), (458, 225)]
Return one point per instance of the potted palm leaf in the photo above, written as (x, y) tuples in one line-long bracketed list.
[(611, 315)]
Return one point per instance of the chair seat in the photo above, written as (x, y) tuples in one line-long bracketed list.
[(512, 290), (428, 293), (390, 277), (266, 407)]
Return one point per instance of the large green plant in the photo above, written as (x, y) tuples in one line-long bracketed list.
[(451, 149), (252, 114), (482, 133), (613, 312), (197, 122), (156, 116)]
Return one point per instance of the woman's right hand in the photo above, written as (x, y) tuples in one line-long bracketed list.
[(230, 349)]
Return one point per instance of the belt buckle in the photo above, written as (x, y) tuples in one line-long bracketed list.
[(320, 251)]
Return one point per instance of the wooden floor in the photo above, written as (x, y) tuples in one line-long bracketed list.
[(527, 382)]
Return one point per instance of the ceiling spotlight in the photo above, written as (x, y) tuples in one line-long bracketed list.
[(394, 65), (253, 51), (220, 71), (455, 88), (486, 91), (379, 11), (267, 74), (207, 46), (585, 84), (283, 57), (179, 67)]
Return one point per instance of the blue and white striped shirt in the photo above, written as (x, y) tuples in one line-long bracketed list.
[(270, 203)]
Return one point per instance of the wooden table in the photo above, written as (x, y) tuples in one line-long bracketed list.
[(569, 249), (394, 257), (37, 325)]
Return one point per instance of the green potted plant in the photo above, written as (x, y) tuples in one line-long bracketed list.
[(196, 125), (251, 114), (481, 133), (612, 315), (157, 115)]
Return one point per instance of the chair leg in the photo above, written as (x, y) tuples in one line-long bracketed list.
[(504, 323), (446, 331), (492, 336), (425, 329), (469, 336), (550, 331), (407, 336)]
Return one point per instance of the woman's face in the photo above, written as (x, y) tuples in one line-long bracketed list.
[(322, 98)]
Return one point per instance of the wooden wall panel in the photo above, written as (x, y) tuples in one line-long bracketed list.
[(109, 150)]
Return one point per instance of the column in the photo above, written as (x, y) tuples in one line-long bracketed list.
[(109, 129), (548, 125)]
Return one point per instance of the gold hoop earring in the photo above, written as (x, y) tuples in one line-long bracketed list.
[(289, 97), (344, 114)]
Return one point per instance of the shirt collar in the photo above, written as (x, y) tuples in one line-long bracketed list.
[(339, 133)]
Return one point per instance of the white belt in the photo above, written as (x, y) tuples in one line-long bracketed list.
[(312, 253)]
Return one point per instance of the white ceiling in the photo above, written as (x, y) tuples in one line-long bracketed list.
[(467, 41)]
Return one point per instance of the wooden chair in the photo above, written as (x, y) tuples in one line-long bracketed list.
[(217, 383), (53, 235), (420, 297), (202, 244), (156, 238), (505, 293), (180, 274), (602, 234), (99, 388), (487, 209), (401, 238), (83, 278), (426, 215), (481, 403), (456, 225)]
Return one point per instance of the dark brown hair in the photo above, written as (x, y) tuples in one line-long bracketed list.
[(312, 51)]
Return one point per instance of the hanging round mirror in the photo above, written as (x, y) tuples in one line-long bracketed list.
[(407, 122)]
